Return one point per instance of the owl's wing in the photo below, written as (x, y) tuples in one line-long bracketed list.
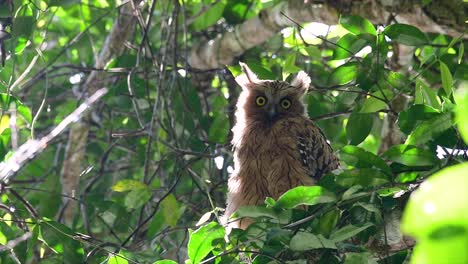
[(316, 154)]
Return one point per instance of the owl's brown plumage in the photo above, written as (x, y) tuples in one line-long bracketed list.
[(276, 146)]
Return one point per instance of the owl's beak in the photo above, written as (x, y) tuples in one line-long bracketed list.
[(272, 112)]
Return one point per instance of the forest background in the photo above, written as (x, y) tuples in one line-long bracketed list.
[(116, 116)]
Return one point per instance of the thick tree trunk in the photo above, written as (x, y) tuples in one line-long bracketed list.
[(440, 16), (78, 136)]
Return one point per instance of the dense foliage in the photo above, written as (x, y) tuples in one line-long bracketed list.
[(391, 99)]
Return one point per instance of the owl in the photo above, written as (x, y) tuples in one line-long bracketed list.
[(276, 146)]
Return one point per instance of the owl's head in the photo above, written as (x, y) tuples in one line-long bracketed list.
[(269, 100)]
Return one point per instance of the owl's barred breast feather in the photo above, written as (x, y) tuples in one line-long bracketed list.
[(274, 152)]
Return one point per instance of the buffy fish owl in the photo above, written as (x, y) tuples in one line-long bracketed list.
[(276, 146)]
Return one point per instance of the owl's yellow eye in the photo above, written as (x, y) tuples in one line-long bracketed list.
[(285, 103), (261, 100)]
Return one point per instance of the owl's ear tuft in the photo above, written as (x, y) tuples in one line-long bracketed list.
[(247, 77), (301, 81)]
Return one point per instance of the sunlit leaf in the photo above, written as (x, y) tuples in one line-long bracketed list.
[(344, 74), (357, 25), (116, 259), (304, 195), (348, 46), (425, 95), (201, 241), (462, 117)]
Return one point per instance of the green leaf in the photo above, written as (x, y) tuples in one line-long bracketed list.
[(128, 185), (410, 155), (357, 25), (372, 104), (281, 217), (347, 46), (365, 177), (219, 128), (430, 129), (425, 95), (209, 17), (303, 241), (61, 240), (360, 158), (447, 80), (461, 52), (348, 232), (359, 258), (201, 241), (165, 261), (116, 259), (406, 34), (410, 118), (170, 209), (304, 195), (290, 64), (462, 116), (358, 127), (344, 74), (137, 198), (328, 221), (441, 201), (24, 26), (262, 72)]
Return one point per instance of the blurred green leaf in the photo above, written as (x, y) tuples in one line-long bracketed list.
[(219, 128), (344, 74), (406, 34), (447, 80), (210, 16), (201, 241), (462, 116), (24, 26), (61, 240), (116, 260), (359, 258), (410, 155), (306, 241), (348, 232), (290, 64), (128, 185), (304, 195), (170, 210), (443, 206), (357, 25), (165, 261), (358, 127)]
